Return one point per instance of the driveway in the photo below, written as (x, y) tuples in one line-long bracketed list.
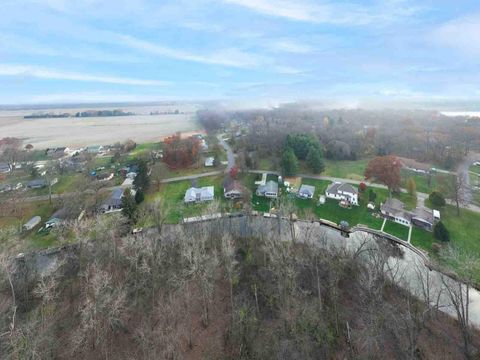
[(230, 154), (463, 173)]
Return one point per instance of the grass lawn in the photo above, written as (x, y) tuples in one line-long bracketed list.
[(142, 149), (475, 169), (398, 230), (173, 194), (346, 169), (421, 180)]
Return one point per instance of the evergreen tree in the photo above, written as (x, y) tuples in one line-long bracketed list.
[(437, 199), (129, 205), (411, 187), (142, 181), (289, 162), (440, 232), (314, 160)]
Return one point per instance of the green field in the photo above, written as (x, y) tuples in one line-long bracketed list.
[(346, 169), (422, 181)]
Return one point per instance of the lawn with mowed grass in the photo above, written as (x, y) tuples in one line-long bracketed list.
[(395, 229), (172, 194), (426, 183), (346, 169)]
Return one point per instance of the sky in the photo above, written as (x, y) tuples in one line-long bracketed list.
[(73, 51)]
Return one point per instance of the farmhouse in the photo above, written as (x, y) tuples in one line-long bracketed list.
[(423, 218), (232, 189), (114, 203), (270, 189), (306, 192), (5, 168), (94, 149), (342, 191), (194, 195)]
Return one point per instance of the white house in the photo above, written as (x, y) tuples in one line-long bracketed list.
[(209, 161), (342, 191), (421, 217), (193, 195)]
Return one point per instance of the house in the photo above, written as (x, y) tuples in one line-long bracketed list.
[(57, 218), (30, 224), (37, 184), (342, 191), (55, 152), (5, 168), (421, 217), (232, 189), (306, 192), (194, 194), (394, 210), (114, 202), (262, 181), (94, 149), (269, 189), (209, 161)]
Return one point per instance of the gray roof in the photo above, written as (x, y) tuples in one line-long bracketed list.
[(307, 190), (394, 207), (115, 199), (269, 187), (336, 187), (37, 182), (424, 214)]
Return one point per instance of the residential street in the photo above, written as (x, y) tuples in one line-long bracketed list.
[(230, 154)]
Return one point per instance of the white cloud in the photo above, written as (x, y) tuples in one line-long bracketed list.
[(461, 33), (53, 74), (290, 46), (330, 12)]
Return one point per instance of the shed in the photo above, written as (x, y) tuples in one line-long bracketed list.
[(30, 224)]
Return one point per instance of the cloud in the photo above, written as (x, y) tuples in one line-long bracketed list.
[(461, 33), (290, 46), (330, 12), (52, 74)]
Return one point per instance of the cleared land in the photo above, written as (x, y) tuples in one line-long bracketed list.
[(76, 132)]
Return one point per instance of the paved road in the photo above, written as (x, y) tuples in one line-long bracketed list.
[(191, 177), (230, 154), (463, 173)]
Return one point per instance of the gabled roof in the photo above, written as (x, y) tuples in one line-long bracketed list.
[(307, 190), (37, 182), (231, 185), (396, 208), (269, 187), (336, 187)]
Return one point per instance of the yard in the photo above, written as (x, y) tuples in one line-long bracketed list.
[(346, 169), (172, 194), (426, 183)]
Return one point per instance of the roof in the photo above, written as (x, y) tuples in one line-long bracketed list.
[(230, 185), (204, 192), (37, 182), (4, 166), (336, 187), (307, 189), (424, 214), (269, 187), (115, 198), (33, 221), (395, 208)]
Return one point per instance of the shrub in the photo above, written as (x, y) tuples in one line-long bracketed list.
[(437, 199), (372, 195), (440, 232), (362, 187)]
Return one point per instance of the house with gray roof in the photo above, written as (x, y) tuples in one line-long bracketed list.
[(193, 194), (424, 218), (232, 189), (269, 189), (343, 192), (114, 202), (306, 192), (5, 168), (37, 184)]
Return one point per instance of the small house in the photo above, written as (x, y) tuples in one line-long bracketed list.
[(30, 224), (209, 161), (37, 184), (5, 168), (270, 189), (306, 192), (343, 192), (421, 217), (232, 189), (97, 149), (114, 202), (58, 217), (193, 194)]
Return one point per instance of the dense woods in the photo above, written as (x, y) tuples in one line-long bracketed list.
[(197, 292)]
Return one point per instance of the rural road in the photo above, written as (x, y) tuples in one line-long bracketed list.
[(230, 154), (464, 174)]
